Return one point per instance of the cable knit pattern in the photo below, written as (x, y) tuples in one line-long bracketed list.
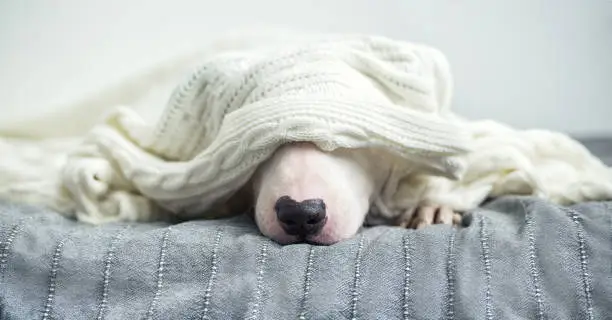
[(349, 91)]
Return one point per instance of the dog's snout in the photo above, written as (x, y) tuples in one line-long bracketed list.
[(301, 218)]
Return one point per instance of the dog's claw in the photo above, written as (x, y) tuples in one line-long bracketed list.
[(444, 215), (427, 215), (457, 218)]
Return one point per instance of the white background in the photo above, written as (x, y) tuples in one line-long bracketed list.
[(529, 63)]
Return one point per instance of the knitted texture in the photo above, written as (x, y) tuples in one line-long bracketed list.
[(237, 108), (347, 91)]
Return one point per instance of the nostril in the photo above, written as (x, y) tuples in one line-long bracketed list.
[(284, 202)]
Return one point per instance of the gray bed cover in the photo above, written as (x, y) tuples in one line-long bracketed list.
[(521, 258)]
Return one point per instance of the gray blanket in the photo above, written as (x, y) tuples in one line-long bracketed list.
[(521, 258)]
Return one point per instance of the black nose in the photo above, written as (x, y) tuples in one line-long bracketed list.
[(301, 218)]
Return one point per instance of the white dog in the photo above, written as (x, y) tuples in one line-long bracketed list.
[(303, 194)]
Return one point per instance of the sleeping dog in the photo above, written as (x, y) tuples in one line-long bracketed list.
[(303, 194)]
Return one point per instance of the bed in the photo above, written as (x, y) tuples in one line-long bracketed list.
[(521, 258)]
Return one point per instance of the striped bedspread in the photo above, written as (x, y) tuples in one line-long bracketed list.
[(521, 258)]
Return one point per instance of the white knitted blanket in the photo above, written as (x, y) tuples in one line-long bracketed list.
[(151, 154)]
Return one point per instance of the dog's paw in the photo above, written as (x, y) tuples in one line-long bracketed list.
[(426, 215)]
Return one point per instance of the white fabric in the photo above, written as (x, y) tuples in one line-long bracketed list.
[(242, 101)]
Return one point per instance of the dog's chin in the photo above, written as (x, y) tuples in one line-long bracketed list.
[(283, 238), (329, 235)]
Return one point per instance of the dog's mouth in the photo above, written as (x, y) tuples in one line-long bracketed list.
[(318, 239)]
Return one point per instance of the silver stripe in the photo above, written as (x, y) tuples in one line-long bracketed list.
[(584, 261), (160, 273), (260, 281), (356, 280), (107, 273), (408, 247), (53, 279), (450, 276), (484, 244), (533, 264), (307, 282), (213, 274)]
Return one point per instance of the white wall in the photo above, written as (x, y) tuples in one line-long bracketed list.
[(529, 63)]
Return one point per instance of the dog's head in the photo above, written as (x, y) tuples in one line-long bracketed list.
[(303, 194)]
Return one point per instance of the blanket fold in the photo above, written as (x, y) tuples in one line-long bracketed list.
[(340, 91)]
